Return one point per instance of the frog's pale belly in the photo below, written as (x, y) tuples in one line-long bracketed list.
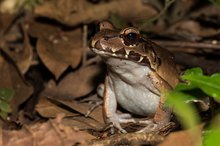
[(132, 86), (138, 100)]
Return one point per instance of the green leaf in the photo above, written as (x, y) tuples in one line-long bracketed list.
[(209, 85), (4, 106), (215, 2), (4, 115), (6, 94), (193, 71), (211, 135), (212, 138), (185, 112), (184, 86)]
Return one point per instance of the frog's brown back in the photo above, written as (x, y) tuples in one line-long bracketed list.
[(166, 67)]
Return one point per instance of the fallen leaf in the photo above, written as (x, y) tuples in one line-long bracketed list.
[(48, 109), (80, 11), (42, 30), (83, 123), (49, 133), (83, 108), (190, 137), (58, 52), (74, 113), (75, 84), (22, 53), (5, 19), (12, 79)]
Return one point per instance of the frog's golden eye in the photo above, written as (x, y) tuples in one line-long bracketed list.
[(130, 37)]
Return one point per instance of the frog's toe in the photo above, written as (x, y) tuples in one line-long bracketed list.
[(149, 128), (117, 126), (116, 121), (156, 127)]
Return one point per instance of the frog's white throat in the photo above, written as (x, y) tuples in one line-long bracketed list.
[(127, 70)]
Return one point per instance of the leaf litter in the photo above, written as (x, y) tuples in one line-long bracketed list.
[(49, 41)]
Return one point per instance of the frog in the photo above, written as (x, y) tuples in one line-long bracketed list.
[(139, 72)]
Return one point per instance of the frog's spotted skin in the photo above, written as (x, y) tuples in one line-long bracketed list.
[(138, 71)]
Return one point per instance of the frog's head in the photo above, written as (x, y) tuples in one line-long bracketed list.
[(126, 44), (129, 44)]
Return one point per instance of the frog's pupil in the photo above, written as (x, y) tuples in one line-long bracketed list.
[(130, 39), (132, 36)]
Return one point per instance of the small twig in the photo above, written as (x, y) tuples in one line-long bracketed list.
[(84, 44), (207, 65), (130, 139), (94, 106), (184, 44)]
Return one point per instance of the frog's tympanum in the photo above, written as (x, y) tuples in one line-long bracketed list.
[(138, 72)]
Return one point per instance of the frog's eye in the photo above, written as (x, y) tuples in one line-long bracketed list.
[(130, 37)]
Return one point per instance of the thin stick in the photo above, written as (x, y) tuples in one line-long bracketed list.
[(184, 44)]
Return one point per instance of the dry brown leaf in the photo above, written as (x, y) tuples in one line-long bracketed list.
[(193, 28), (11, 78), (76, 84), (83, 108), (21, 54), (42, 30), (191, 137), (48, 109), (5, 20), (59, 51), (74, 113), (83, 123), (45, 134), (74, 12)]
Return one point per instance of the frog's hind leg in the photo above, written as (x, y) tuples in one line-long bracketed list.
[(160, 121), (163, 114)]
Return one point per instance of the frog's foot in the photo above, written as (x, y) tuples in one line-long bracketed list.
[(116, 121), (151, 126), (155, 127)]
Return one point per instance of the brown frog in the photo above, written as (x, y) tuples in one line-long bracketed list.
[(138, 72)]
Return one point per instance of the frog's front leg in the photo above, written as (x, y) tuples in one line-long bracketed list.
[(110, 108)]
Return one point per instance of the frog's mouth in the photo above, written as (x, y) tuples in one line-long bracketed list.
[(122, 54)]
